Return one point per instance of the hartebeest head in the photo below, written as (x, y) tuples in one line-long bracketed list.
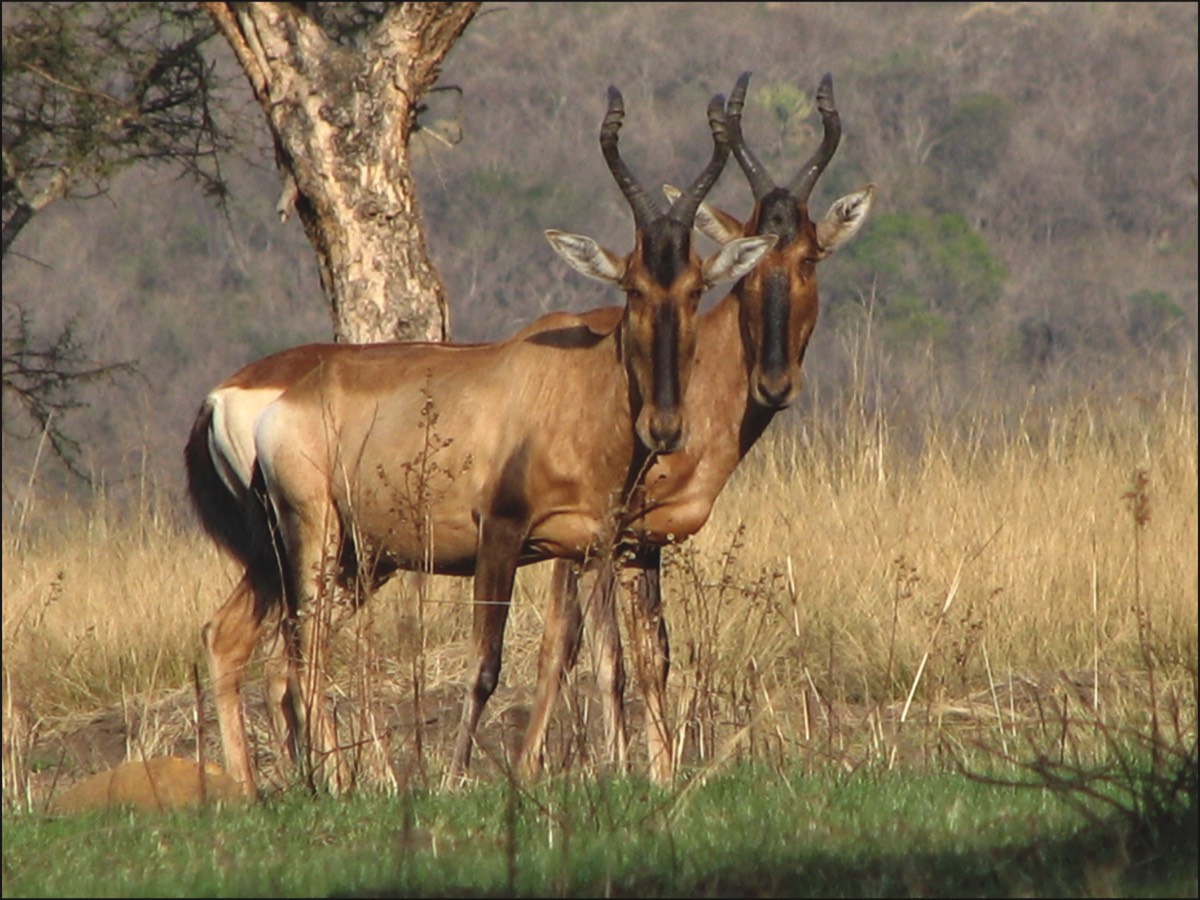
[(779, 297), (663, 279)]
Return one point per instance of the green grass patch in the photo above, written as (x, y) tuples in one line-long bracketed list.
[(749, 831)]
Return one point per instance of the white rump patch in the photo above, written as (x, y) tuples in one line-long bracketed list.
[(231, 437)]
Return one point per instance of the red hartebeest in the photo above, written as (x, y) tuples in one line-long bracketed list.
[(731, 400), (303, 464)]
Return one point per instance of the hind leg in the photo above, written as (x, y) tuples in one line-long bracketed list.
[(230, 637), (281, 690), (309, 529)]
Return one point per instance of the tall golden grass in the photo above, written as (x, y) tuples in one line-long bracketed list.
[(858, 577)]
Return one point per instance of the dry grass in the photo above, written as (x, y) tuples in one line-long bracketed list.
[(980, 578), (1031, 523), (864, 593)]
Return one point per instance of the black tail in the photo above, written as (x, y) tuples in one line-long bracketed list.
[(239, 524)]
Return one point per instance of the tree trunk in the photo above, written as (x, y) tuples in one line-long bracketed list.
[(340, 114)]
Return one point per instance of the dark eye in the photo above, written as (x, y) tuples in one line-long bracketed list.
[(634, 295)]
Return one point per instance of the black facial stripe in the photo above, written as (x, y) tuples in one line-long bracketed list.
[(778, 215), (776, 310), (666, 356), (666, 249)]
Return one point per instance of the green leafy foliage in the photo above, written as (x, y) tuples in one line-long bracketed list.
[(971, 144), (789, 109), (933, 274), (1154, 319)]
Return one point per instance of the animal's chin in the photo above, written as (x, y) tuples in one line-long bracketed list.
[(774, 399), (659, 441)]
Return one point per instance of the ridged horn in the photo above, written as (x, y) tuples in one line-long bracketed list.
[(760, 182), (802, 184), (645, 210), (684, 208)]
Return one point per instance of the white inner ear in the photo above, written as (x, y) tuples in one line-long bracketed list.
[(587, 257), (736, 258), (845, 217), (707, 222)]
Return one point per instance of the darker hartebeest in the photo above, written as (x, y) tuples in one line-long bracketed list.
[(732, 398), (333, 466)]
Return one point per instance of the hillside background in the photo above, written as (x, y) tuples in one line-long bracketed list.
[(1034, 236)]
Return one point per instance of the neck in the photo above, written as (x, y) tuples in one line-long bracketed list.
[(680, 488), (719, 408)]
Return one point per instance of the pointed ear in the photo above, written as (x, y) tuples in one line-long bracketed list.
[(587, 257), (710, 221), (736, 258), (844, 219)]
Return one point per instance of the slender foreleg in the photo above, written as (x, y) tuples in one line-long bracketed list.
[(652, 656), (500, 542), (609, 664), (559, 650)]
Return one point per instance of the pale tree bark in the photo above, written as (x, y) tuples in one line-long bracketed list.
[(341, 112)]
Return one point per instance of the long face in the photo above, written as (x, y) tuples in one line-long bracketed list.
[(779, 300), (663, 280), (663, 284)]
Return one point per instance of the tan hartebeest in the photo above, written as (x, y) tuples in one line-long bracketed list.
[(458, 459), (731, 400)]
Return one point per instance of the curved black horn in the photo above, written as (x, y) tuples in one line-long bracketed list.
[(684, 208), (802, 184), (645, 210), (760, 182)]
